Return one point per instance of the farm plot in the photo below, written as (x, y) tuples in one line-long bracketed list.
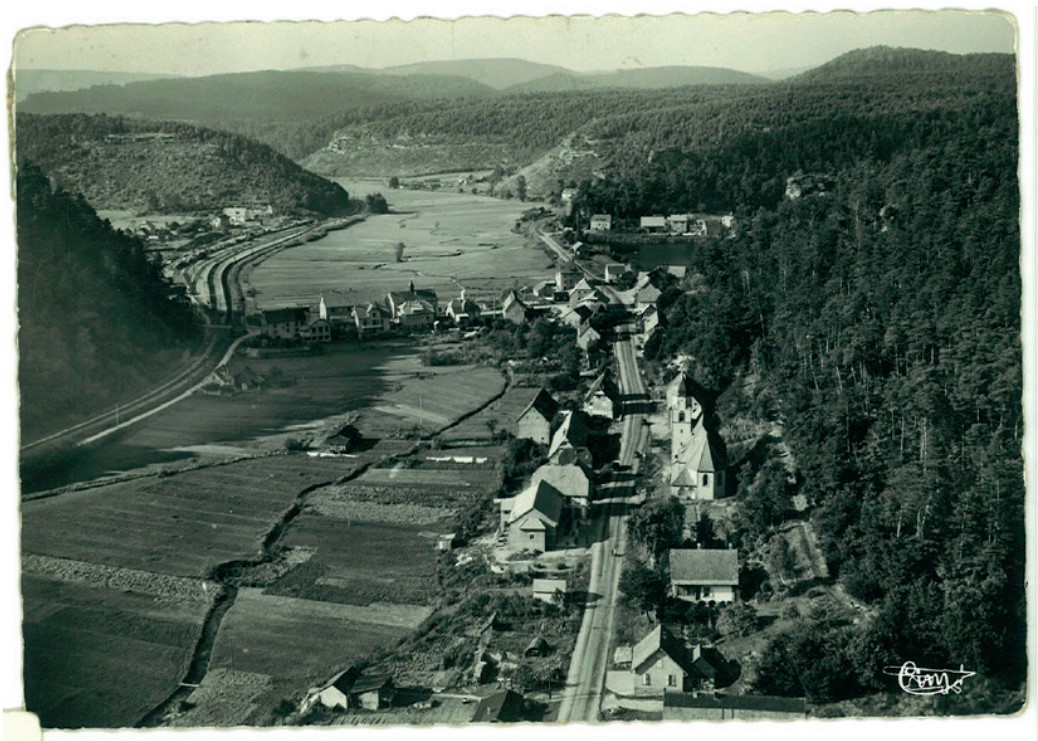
[(97, 657), (294, 644), (358, 563), (183, 524), (428, 399), (500, 415)]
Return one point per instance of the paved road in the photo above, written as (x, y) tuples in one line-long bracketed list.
[(582, 699)]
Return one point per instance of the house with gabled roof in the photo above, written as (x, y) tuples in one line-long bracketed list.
[(601, 223), (372, 319), (530, 520), (501, 707), (570, 440), (603, 397), (576, 315), (708, 575), (575, 480), (461, 310), (587, 336), (515, 310), (283, 324), (663, 661), (534, 422), (352, 689), (614, 270)]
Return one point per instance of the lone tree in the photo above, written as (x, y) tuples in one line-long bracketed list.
[(394, 182), (400, 247), (657, 526), (520, 188), (643, 588)]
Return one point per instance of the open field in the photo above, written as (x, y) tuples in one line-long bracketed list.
[(501, 415), (102, 657), (183, 524), (451, 239), (273, 647), (357, 563), (426, 399)]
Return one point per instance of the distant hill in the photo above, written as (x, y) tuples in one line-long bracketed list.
[(495, 73), (890, 61), (266, 96), (166, 167), (30, 81), (97, 321)]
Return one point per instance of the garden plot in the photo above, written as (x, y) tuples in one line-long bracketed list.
[(181, 525), (272, 647), (103, 657), (360, 563)]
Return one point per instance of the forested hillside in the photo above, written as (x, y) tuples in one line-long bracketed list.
[(97, 320), (166, 167), (880, 323), (244, 96)]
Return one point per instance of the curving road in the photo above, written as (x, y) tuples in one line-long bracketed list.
[(582, 699)]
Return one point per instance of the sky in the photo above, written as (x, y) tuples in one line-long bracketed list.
[(743, 41)]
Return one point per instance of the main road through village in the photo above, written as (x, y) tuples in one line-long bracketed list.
[(582, 698)]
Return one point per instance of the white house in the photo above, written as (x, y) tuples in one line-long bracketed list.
[(704, 574)]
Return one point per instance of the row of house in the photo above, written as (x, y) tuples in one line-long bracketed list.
[(413, 310), (694, 224)]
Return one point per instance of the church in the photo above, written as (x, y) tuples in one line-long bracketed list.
[(697, 457)]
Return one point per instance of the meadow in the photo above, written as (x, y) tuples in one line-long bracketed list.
[(184, 524), (500, 415), (452, 240), (97, 657)]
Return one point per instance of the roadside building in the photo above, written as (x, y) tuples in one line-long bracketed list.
[(462, 311), (614, 270), (648, 320), (677, 223), (501, 707), (576, 316), (316, 330), (601, 223), (708, 575), (581, 290), (566, 277), (236, 215), (534, 422), (662, 661), (548, 590), (396, 299), (569, 442), (352, 689), (653, 224), (574, 480), (603, 398), (414, 315), (220, 221), (515, 310), (685, 706), (372, 320), (531, 519), (283, 324), (587, 336), (544, 289)]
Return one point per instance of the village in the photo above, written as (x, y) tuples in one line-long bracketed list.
[(598, 453)]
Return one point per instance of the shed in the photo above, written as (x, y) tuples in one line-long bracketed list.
[(546, 589), (537, 647)]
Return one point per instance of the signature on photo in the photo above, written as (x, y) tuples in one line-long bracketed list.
[(917, 680)]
